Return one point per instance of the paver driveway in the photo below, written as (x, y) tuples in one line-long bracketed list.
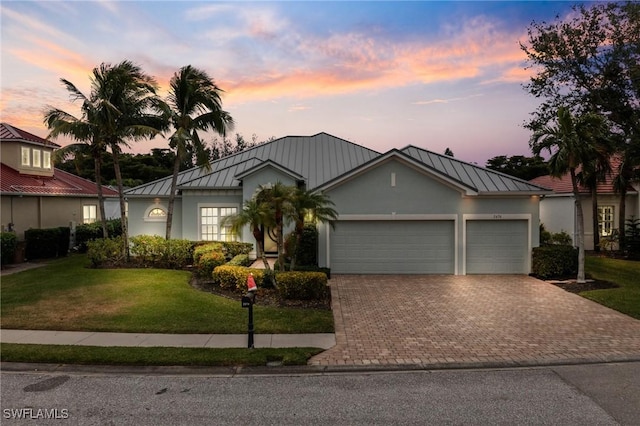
[(458, 320)]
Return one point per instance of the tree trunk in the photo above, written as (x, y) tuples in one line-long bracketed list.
[(115, 151), (594, 220), (172, 196), (621, 219), (580, 227), (294, 255), (258, 234), (97, 165)]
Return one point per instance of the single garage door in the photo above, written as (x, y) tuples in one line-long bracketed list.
[(497, 247), (392, 247)]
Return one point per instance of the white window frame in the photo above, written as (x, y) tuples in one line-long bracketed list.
[(216, 232), (25, 156), (150, 209), (606, 220), (46, 159), (89, 213), (37, 158)]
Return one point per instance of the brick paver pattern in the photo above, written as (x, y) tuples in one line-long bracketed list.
[(431, 320)]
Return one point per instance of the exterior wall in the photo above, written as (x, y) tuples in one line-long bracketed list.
[(11, 156), (264, 176), (396, 191), (193, 200), (141, 224), (558, 214), (27, 212)]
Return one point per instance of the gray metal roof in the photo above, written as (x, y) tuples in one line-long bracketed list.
[(478, 178), (317, 158)]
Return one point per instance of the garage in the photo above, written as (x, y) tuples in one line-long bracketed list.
[(392, 247), (497, 247)]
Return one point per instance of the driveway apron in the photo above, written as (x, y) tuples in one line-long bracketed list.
[(471, 320)]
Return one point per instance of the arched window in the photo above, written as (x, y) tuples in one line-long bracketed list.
[(156, 213)]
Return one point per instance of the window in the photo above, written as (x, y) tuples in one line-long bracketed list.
[(46, 160), (26, 156), (210, 223), (36, 158), (89, 213), (605, 220), (157, 212)]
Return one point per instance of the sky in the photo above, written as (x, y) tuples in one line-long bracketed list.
[(380, 74)]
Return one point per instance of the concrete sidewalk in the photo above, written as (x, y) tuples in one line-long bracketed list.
[(88, 338)]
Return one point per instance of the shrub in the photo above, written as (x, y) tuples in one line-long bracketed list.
[(302, 285), (177, 254), (307, 253), (561, 238), (9, 243), (207, 262), (632, 238), (90, 231), (555, 261), (105, 251), (234, 248), (309, 268), (201, 249), (46, 243), (156, 251), (240, 260), (235, 277)]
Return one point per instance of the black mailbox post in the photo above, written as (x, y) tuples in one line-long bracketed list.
[(247, 302)]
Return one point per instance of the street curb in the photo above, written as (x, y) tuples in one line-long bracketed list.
[(229, 371)]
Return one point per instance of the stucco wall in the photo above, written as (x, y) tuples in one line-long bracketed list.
[(141, 224)]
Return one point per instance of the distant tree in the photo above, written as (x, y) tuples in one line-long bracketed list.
[(448, 152), (519, 166)]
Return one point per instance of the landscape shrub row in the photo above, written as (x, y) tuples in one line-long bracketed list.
[(158, 252), (9, 244), (558, 261), (47, 243), (91, 231)]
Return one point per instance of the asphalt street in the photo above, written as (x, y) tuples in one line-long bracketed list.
[(602, 394)]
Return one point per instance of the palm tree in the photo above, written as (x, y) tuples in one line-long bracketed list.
[(307, 203), (571, 143), (193, 105), (625, 174), (257, 216), (125, 96), (278, 198), (84, 130)]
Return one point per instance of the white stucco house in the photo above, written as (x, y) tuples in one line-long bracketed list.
[(407, 211)]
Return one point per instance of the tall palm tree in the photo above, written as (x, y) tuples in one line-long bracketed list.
[(625, 174), (84, 130), (126, 97), (571, 144), (307, 203), (193, 105), (257, 216), (278, 197)]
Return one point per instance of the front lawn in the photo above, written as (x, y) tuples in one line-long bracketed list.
[(626, 274), (66, 295)]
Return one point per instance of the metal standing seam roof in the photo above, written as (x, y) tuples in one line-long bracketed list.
[(317, 158), (484, 181), (13, 134)]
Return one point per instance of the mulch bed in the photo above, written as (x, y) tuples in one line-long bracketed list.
[(264, 296), (573, 287)]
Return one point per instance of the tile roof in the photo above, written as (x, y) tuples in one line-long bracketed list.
[(562, 185), (13, 182), (10, 133)]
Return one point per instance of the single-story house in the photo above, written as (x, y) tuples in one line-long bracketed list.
[(404, 211), (34, 194), (558, 209)]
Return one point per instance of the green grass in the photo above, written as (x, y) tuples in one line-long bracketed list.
[(66, 295), (94, 355), (626, 274)]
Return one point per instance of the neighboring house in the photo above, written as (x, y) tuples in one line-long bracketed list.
[(558, 210), (34, 193), (404, 211)]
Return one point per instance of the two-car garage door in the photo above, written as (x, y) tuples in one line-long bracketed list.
[(392, 247), (428, 247)]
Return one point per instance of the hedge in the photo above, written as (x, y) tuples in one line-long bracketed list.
[(90, 231), (47, 243), (9, 244), (554, 262), (106, 251), (234, 278), (157, 251), (302, 285)]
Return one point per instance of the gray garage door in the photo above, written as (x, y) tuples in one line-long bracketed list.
[(497, 247), (392, 247)]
